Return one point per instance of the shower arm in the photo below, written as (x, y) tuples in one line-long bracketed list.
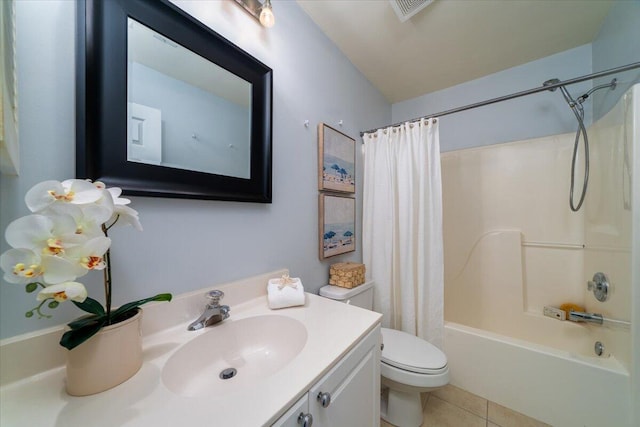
[(612, 85)]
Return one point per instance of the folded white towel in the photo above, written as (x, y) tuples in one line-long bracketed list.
[(285, 292)]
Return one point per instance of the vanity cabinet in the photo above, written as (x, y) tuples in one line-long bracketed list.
[(295, 416), (348, 395)]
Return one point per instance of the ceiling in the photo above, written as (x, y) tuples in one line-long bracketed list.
[(452, 41)]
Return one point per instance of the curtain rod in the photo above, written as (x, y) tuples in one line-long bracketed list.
[(518, 94)]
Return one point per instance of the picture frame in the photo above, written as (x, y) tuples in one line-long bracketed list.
[(336, 225), (336, 160)]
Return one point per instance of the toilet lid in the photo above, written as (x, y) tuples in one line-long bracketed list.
[(411, 353)]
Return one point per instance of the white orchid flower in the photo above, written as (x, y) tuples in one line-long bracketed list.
[(115, 193), (88, 219), (22, 266), (123, 212), (90, 254), (74, 191), (103, 208), (128, 216), (73, 291), (50, 235)]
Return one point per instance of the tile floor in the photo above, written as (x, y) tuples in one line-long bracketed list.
[(454, 407)]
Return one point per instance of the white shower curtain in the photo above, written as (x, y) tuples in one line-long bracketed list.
[(402, 227)]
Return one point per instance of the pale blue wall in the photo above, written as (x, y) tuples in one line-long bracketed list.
[(537, 115), (190, 244), (617, 44), (45, 62)]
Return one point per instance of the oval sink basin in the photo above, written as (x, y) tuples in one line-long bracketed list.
[(233, 355)]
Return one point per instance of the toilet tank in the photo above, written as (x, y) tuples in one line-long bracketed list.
[(360, 296)]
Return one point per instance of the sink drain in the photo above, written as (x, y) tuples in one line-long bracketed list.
[(228, 373)]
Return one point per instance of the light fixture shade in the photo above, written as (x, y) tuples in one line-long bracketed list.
[(266, 15)]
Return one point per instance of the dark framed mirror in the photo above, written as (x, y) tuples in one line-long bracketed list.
[(167, 107)]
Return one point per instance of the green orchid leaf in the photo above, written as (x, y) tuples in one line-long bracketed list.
[(81, 322), (72, 339), (122, 310), (90, 306)]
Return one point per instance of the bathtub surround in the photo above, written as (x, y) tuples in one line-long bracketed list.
[(512, 246), (402, 227)]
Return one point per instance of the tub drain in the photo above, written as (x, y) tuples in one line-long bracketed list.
[(598, 348), (228, 373)]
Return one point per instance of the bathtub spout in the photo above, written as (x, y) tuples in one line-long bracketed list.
[(579, 316)]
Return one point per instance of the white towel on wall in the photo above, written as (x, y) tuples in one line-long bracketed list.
[(285, 292)]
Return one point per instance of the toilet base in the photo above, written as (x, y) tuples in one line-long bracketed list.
[(401, 408)]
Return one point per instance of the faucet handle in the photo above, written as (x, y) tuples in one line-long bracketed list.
[(600, 286), (214, 296)]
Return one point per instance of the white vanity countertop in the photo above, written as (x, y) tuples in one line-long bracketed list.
[(333, 329)]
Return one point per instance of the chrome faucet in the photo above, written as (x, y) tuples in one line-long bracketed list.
[(579, 316), (213, 312)]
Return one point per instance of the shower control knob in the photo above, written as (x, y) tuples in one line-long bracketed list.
[(324, 399), (600, 286)]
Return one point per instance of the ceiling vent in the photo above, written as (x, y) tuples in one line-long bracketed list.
[(405, 9)]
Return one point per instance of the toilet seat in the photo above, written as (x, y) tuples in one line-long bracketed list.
[(410, 353)]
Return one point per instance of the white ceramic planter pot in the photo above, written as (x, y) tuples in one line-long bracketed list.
[(107, 359)]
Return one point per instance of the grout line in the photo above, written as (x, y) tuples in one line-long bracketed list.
[(459, 407)]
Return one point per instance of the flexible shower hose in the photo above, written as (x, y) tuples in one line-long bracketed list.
[(579, 113)]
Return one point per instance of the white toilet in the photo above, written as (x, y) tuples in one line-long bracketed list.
[(409, 365)]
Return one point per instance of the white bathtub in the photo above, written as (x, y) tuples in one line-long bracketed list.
[(553, 386)]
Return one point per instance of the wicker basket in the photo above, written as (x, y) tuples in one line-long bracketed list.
[(346, 274)]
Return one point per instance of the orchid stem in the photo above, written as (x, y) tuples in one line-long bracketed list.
[(111, 225), (41, 315), (107, 278)]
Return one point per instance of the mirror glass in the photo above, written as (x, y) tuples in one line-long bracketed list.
[(184, 111), (167, 107)]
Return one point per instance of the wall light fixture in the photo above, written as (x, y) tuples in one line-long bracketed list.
[(262, 11)]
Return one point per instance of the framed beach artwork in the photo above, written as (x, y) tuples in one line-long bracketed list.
[(337, 225), (336, 160)]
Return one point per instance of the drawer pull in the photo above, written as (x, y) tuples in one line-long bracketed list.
[(305, 420), (324, 399)]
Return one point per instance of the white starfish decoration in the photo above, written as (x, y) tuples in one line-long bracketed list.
[(285, 280)]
